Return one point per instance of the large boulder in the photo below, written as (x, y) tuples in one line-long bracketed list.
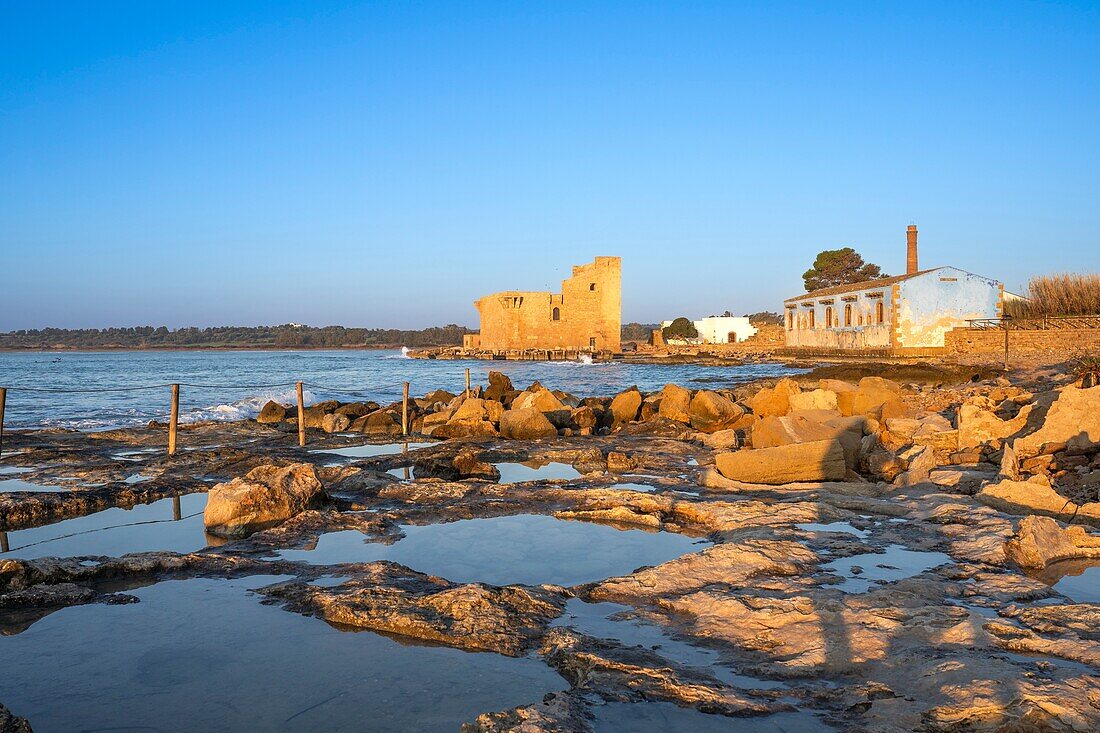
[(1029, 497), (466, 464), (379, 422), (815, 399), (1073, 420), (711, 412), (584, 418), (477, 410), (465, 429), (625, 407), (526, 424), (499, 385), (356, 409), (541, 399), (810, 426), (1040, 541), (775, 401), (335, 422), (874, 396), (272, 412), (821, 460), (978, 426), (675, 403), (265, 497)]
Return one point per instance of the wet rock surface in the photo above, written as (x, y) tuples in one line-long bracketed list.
[(871, 555)]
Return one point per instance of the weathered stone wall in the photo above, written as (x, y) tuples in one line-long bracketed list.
[(936, 302), (586, 315), (1065, 343)]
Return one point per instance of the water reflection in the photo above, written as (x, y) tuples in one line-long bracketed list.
[(896, 563), (527, 549), (206, 655), (174, 524), (1078, 580), (372, 450), (512, 473)]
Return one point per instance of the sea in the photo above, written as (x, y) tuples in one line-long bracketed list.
[(101, 390)]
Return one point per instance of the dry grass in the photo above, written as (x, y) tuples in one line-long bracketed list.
[(1059, 295)]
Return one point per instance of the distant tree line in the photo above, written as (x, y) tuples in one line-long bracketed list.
[(285, 336)]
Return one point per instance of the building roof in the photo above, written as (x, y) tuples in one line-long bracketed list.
[(853, 287)]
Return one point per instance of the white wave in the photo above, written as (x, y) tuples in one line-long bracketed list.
[(403, 355), (244, 409)]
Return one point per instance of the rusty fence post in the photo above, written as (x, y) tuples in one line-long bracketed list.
[(301, 417), (173, 421)]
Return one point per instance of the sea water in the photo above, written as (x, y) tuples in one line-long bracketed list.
[(229, 381)]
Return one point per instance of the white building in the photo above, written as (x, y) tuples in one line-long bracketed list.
[(892, 314), (721, 329)]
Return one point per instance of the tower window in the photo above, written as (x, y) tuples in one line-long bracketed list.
[(592, 286), (556, 314)]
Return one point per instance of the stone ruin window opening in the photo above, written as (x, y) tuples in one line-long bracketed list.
[(847, 314), (880, 312), (592, 286), (555, 315), (828, 316)]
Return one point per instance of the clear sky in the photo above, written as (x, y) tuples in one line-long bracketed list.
[(386, 163)]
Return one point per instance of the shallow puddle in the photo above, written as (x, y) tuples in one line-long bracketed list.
[(896, 563), (513, 473), (9, 470), (833, 527), (207, 655), (371, 450), (528, 549), (10, 485), (648, 488), (664, 717), (1078, 580), (595, 619), (169, 524)]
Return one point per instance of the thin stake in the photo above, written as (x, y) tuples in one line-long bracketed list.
[(467, 382), (405, 410), (3, 399), (301, 417), (173, 421), (1005, 323)]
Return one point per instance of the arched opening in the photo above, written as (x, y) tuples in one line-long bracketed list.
[(880, 312), (790, 320), (828, 316), (847, 314), (556, 314), (812, 323)]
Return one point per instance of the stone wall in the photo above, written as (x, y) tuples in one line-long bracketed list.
[(587, 314), (1065, 343)]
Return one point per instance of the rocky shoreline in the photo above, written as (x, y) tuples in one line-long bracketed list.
[(878, 554)]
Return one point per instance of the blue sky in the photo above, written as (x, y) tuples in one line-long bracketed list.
[(384, 164)]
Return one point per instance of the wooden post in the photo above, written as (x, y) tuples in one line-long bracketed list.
[(405, 410), (4, 542), (177, 510), (1005, 324), (173, 421), (3, 399), (301, 417), (467, 382)]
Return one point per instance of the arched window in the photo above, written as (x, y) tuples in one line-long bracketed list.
[(828, 316), (556, 314), (880, 312), (847, 314), (812, 324), (790, 320)]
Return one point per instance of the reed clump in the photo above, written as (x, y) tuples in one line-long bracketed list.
[(1059, 295)]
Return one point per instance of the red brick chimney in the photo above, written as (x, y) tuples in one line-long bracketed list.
[(911, 250)]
